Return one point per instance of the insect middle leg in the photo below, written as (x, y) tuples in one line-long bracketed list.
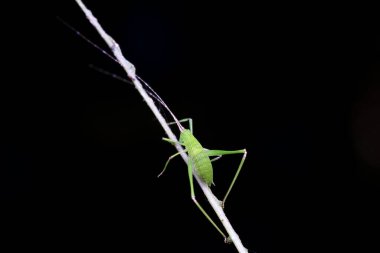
[(229, 152), (169, 159)]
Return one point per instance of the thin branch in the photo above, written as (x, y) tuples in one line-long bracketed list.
[(131, 72)]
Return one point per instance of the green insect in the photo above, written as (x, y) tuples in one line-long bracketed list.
[(198, 158)]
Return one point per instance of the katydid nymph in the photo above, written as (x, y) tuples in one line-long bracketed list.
[(198, 157), (199, 161)]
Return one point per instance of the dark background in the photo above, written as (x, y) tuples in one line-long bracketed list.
[(297, 86)]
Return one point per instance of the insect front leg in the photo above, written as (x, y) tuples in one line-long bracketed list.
[(190, 120), (229, 152)]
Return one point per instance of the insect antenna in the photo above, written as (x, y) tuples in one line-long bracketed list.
[(159, 99), (151, 92), (87, 40)]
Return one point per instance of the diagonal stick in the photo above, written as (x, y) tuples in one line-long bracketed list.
[(131, 72)]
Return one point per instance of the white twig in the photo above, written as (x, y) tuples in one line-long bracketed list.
[(130, 69)]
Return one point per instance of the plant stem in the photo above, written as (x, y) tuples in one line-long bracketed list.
[(130, 70)]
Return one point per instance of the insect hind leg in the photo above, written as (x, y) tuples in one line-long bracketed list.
[(229, 152), (190, 173)]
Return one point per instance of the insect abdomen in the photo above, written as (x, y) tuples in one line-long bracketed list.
[(198, 157), (203, 166)]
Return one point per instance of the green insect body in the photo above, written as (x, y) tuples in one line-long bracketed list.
[(200, 162), (197, 156)]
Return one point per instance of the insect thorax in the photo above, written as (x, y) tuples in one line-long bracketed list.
[(188, 139)]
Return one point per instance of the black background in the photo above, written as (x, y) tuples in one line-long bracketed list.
[(297, 86)]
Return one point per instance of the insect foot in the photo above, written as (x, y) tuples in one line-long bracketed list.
[(227, 240)]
